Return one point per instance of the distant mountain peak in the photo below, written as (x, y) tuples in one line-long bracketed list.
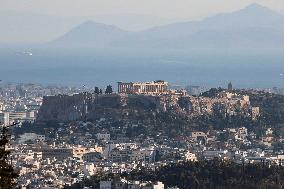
[(254, 26), (254, 7), (91, 24), (90, 33), (88, 22)]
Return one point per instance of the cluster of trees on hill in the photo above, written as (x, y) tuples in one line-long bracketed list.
[(271, 111), (211, 93), (215, 174), (272, 107), (108, 90)]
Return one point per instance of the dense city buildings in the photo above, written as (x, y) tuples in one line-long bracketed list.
[(65, 139), (20, 102)]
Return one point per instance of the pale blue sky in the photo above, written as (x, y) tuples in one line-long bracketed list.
[(161, 8)]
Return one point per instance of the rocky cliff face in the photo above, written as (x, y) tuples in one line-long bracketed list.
[(89, 106)]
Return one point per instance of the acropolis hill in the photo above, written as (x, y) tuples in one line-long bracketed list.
[(87, 106)]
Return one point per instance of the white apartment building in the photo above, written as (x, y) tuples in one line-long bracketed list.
[(103, 136), (158, 185), (8, 118), (147, 155), (105, 184), (30, 137)]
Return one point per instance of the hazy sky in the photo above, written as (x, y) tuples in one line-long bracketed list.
[(19, 24), (161, 8)]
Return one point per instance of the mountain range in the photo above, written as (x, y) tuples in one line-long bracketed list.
[(31, 27), (254, 26)]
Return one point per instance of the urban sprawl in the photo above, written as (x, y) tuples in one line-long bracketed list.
[(62, 135)]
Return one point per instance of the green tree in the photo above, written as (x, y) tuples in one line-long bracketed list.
[(97, 90), (212, 92), (108, 89), (223, 137), (7, 173)]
